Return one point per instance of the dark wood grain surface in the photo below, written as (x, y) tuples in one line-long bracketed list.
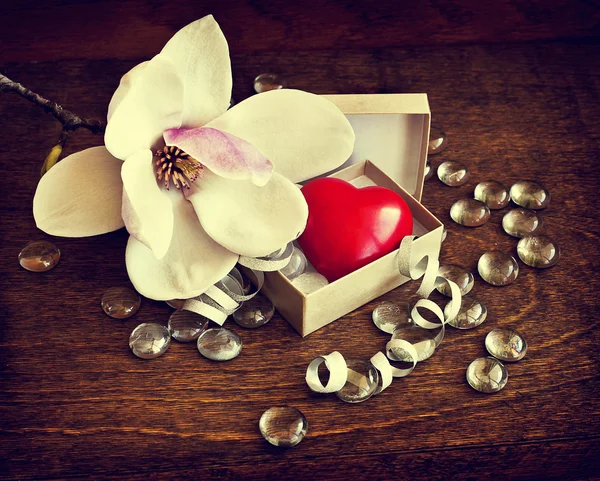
[(519, 99)]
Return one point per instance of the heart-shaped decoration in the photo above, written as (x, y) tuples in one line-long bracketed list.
[(349, 227)]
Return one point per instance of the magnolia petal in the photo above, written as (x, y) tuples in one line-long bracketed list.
[(192, 263), (81, 195), (152, 104), (224, 154), (200, 54), (147, 210), (304, 135), (127, 81), (249, 220)]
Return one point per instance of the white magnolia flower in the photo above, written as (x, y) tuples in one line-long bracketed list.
[(221, 184)]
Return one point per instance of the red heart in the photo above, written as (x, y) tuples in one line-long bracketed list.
[(349, 228)]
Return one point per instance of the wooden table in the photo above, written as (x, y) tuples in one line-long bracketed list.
[(518, 103)]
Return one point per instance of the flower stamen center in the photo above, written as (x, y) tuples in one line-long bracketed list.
[(176, 166)]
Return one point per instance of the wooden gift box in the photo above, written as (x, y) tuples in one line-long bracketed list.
[(392, 132)]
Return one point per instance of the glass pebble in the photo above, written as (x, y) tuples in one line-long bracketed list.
[(268, 81), (255, 312), (444, 233), (388, 316), (362, 382), (176, 303), (492, 193), (498, 268), (472, 313), (438, 141), (219, 344), (186, 326), (530, 195), (283, 426), (506, 344), (538, 251), (470, 212), (521, 222), (39, 256), (487, 375), (149, 340), (120, 302), (428, 170), (296, 266), (453, 173), (423, 340), (459, 275)]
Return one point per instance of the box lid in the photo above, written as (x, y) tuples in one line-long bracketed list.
[(392, 131)]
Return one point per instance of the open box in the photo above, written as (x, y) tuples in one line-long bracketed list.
[(392, 133)]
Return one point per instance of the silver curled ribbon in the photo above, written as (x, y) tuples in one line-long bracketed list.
[(413, 266), (225, 297)]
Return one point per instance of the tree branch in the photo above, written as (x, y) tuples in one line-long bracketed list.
[(68, 119)]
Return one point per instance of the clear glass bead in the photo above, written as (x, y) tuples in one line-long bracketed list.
[(530, 194), (538, 251), (423, 340), (459, 275), (186, 326), (487, 375), (176, 303), (388, 316), (498, 268), (219, 344), (506, 344), (39, 256), (521, 222), (255, 312), (438, 141), (283, 426), (296, 266), (470, 212), (428, 170), (492, 193), (149, 340), (453, 173), (472, 313), (362, 382), (120, 302), (268, 81)]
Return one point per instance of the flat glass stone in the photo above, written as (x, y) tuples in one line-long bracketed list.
[(388, 316), (428, 170), (423, 340), (538, 251), (120, 302), (296, 266), (492, 193), (268, 81), (438, 141), (459, 275), (521, 222), (472, 313), (149, 340), (530, 195), (176, 303), (39, 256), (219, 344), (186, 326), (444, 233), (283, 426), (506, 344), (498, 268), (487, 375), (362, 382), (453, 173), (255, 312), (470, 212)]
